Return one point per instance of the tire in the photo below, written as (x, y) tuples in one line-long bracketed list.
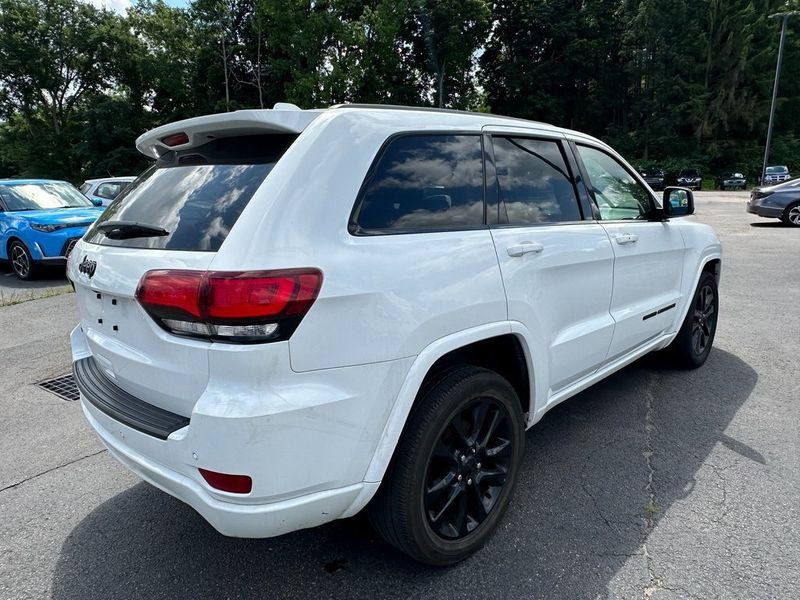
[(21, 261), (691, 347), (791, 216), (452, 476)]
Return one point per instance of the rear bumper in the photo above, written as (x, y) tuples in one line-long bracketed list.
[(764, 211), (305, 439), (121, 406), (228, 518)]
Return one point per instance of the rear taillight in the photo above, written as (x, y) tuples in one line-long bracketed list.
[(243, 307)]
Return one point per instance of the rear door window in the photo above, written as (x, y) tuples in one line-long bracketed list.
[(423, 183), (534, 182), (196, 195)]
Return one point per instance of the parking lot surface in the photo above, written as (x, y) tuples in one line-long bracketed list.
[(655, 483)]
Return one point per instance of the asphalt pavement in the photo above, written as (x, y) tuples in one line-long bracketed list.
[(655, 483)]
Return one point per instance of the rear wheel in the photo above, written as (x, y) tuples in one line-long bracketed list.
[(21, 261), (691, 347), (791, 216), (454, 469)]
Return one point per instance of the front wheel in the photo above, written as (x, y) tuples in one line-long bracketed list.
[(791, 216), (691, 347), (21, 261), (454, 469)]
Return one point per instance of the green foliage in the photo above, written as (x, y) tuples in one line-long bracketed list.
[(683, 83)]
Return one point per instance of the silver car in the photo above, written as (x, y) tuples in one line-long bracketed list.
[(103, 191), (780, 201)]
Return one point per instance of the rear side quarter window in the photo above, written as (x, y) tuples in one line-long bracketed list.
[(423, 182)]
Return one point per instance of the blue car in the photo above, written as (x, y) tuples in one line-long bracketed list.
[(40, 222)]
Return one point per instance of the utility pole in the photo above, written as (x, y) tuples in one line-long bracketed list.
[(784, 16)]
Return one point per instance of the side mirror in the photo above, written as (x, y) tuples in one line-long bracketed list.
[(97, 201), (677, 202)]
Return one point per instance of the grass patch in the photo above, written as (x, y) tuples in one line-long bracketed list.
[(18, 297), (650, 509)]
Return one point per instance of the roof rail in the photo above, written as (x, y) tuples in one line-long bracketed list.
[(434, 110)]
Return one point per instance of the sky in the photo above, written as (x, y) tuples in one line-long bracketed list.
[(120, 5)]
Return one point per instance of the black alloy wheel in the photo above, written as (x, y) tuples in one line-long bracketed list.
[(704, 319), (692, 345), (467, 468), (454, 469)]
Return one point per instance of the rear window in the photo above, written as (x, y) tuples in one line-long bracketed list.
[(110, 190), (423, 183), (196, 195)]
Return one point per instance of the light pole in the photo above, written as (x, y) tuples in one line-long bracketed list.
[(784, 16)]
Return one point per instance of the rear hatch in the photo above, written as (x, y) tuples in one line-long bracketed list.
[(176, 215)]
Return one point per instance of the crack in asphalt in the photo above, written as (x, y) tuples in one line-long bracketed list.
[(656, 583), (597, 510), (718, 471), (66, 464)]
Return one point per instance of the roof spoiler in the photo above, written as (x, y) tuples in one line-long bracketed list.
[(283, 118)]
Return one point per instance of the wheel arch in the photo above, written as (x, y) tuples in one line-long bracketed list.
[(13, 237), (710, 262), (713, 266), (484, 346)]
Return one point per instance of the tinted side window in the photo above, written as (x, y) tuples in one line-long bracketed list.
[(535, 185), (424, 182), (617, 193)]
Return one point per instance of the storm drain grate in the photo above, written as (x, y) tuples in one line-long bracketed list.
[(64, 387)]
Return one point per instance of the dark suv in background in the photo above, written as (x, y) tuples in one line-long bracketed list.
[(655, 177), (690, 178)]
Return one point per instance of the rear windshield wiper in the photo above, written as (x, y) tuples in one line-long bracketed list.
[(123, 230)]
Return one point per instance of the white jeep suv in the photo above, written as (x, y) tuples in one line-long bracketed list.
[(297, 314)]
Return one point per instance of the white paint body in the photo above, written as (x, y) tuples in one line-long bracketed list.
[(314, 421)]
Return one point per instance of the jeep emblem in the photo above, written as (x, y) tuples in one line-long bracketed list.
[(87, 266)]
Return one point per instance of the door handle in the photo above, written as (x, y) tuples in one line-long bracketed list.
[(525, 248), (626, 238)]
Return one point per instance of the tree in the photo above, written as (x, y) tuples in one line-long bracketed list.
[(55, 54), (451, 32)]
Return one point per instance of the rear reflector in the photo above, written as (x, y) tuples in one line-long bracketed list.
[(235, 484), (248, 306), (176, 139)]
